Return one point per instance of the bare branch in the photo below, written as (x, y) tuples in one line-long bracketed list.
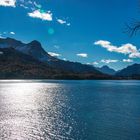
[(132, 28)]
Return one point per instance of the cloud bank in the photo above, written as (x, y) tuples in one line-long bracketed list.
[(12, 33), (128, 48), (107, 61), (41, 15), (9, 3), (84, 55), (95, 63), (63, 22), (54, 54), (127, 60)]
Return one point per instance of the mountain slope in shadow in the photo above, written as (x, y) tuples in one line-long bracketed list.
[(17, 65), (132, 72), (35, 50), (107, 70)]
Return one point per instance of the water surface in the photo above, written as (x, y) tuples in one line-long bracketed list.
[(69, 110)]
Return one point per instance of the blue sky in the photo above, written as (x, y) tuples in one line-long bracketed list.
[(86, 31)]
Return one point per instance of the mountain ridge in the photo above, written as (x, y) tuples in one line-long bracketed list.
[(107, 70), (131, 71), (42, 65), (33, 50)]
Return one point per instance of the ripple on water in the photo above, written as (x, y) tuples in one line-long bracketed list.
[(34, 111), (69, 110)]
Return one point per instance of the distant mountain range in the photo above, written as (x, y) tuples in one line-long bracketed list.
[(30, 61), (20, 60), (131, 72), (107, 70)]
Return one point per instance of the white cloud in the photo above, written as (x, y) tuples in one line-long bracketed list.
[(82, 55), (3, 34), (41, 15), (54, 54), (12, 33), (135, 55), (107, 61), (36, 9), (124, 49), (61, 21), (25, 7), (127, 60), (10, 3), (95, 63)]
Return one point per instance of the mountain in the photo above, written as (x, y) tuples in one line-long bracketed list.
[(132, 71), (107, 70), (20, 60), (35, 50), (14, 64)]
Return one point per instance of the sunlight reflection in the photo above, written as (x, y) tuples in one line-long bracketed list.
[(31, 110)]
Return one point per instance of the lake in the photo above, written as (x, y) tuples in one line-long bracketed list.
[(69, 110)]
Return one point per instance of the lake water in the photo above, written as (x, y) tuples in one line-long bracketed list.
[(69, 110)]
